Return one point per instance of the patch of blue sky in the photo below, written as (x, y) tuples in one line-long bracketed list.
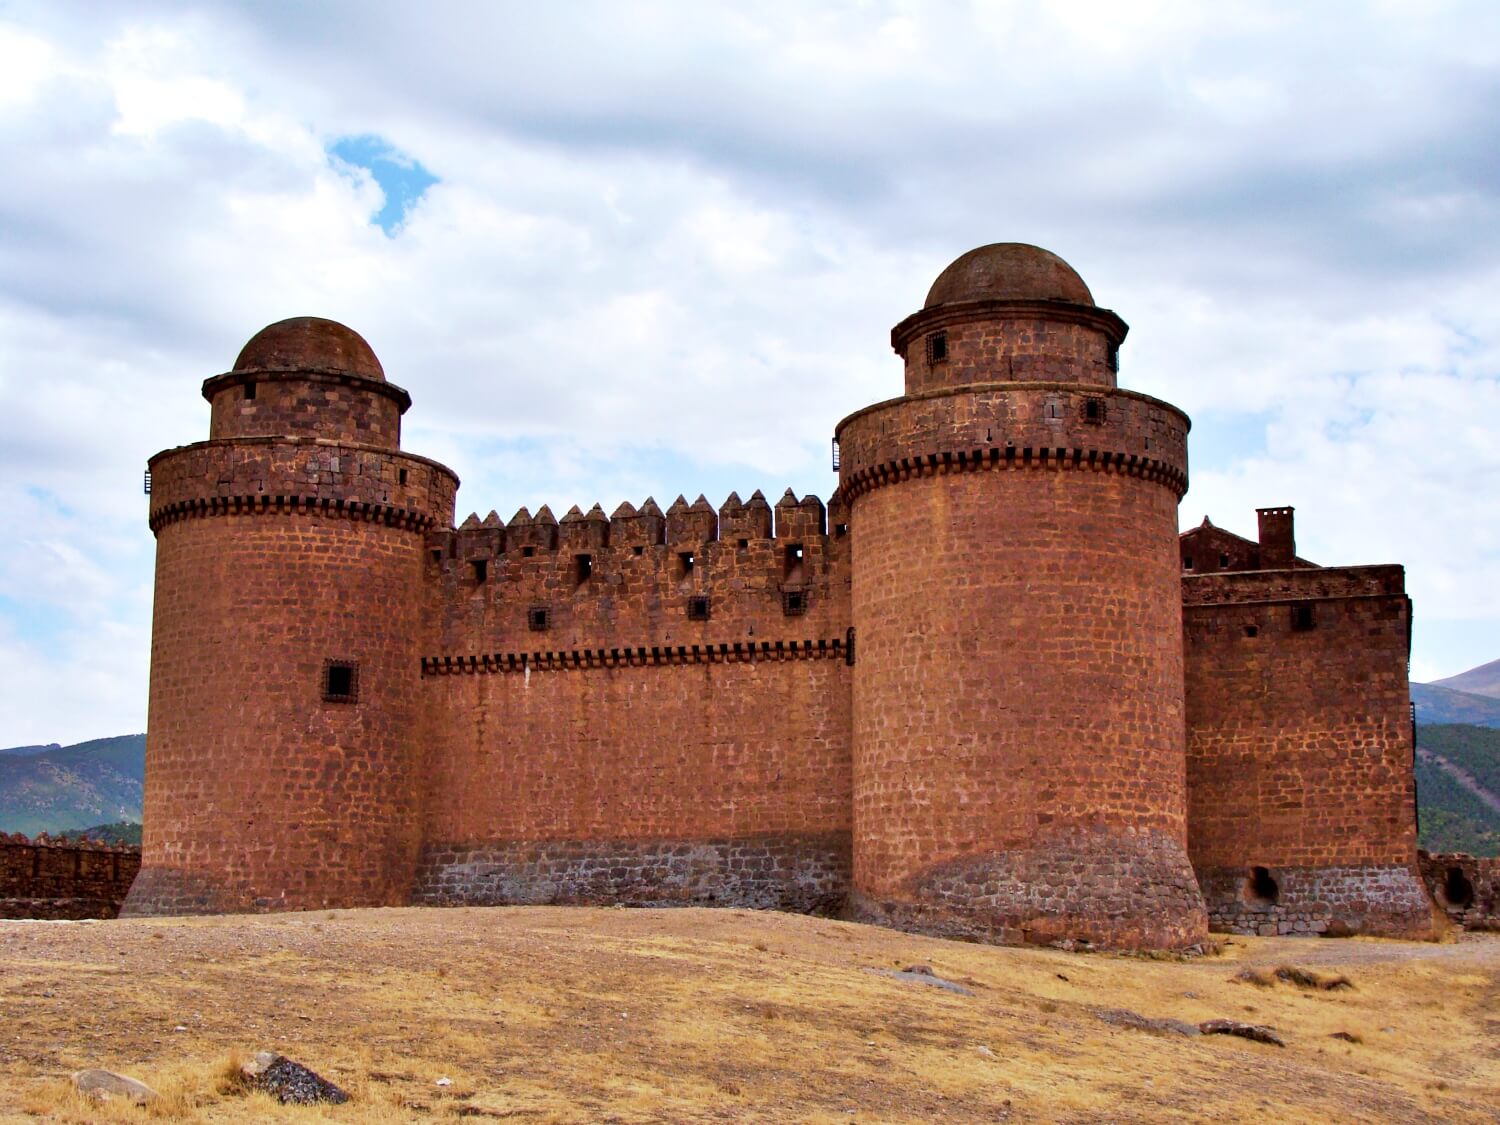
[(1219, 438), (32, 622), (400, 177)]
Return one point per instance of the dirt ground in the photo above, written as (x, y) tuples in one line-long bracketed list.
[(561, 1015)]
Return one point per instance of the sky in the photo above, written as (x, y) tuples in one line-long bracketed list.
[(625, 249)]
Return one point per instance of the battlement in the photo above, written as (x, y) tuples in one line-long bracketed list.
[(641, 576)]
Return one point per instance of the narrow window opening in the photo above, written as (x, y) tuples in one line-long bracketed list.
[(840, 530), (250, 391), (528, 552), (793, 603), (1457, 889), (481, 570), (437, 556), (1252, 631), (1223, 561), (743, 545), (1302, 618), (1112, 359), (792, 565), (1187, 562), (340, 681), (697, 609), (1260, 888), (583, 568), (401, 477), (639, 549), (685, 563), (937, 347), (538, 617)]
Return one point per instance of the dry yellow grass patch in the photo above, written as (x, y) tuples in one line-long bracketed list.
[(561, 1015)]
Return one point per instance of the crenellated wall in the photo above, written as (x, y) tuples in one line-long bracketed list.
[(45, 878), (674, 729)]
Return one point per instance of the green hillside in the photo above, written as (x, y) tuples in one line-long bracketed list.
[(1440, 705), (1450, 817), (68, 787)]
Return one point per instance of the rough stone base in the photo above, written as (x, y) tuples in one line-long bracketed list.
[(806, 874), (1090, 889), (1383, 900), (59, 908), (1471, 897)]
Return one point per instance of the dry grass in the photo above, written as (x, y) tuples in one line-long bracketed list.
[(553, 1015)]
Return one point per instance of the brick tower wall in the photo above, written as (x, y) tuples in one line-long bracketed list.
[(274, 557), (1300, 751), (627, 752), (1018, 742)]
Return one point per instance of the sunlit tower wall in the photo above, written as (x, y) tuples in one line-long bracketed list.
[(1019, 745), (281, 754)]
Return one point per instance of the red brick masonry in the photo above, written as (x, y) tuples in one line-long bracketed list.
[(46, 878)]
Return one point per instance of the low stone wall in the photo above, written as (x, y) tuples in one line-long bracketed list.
[(45, 878), (1465, 886), (1382, 900), (805, 874)]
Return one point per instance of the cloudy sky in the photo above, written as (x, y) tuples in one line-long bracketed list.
[(586, 237)]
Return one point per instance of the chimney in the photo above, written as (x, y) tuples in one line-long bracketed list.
[(1278, 545)]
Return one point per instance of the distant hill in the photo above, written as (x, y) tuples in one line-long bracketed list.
[(1458, 789), (23, 750), (66, 787), (1484, 680), (120, 832), (1444, 705)]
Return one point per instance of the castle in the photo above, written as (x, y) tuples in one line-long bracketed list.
[(989, 692)]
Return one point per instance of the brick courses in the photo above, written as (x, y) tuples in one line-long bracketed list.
[(953, 701), (44, 878)]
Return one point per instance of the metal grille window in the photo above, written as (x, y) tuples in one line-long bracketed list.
[(697, 609), (538, 618), (340, 681)]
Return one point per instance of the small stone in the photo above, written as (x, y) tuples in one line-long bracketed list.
[(290, 1082), (106, 1084), (444, 1081), (1253, 1031)]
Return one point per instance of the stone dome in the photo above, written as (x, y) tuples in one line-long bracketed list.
[(1009, 271), (309, 343)]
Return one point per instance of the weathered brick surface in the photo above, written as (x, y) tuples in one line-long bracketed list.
[(1466, 887), (259, 794), (1299, 745), (1008, 704), (1006, 342), (55, 879), (306, 404)]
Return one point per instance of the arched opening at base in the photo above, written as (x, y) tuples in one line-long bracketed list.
[(1457, 889), (1260, 888)]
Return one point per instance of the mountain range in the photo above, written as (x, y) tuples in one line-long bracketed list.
[(55, 788)]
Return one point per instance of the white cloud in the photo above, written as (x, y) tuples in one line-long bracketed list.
[(663, 223)]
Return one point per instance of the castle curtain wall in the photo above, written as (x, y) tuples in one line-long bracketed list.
[(1301, 813)]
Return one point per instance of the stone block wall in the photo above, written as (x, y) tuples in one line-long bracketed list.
[(1466, 887), (1301, 811), (46, 878)]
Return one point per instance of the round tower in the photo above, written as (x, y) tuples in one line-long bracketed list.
[(1019, 744), (282, 730)]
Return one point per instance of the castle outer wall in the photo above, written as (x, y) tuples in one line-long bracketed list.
[(976, 697)]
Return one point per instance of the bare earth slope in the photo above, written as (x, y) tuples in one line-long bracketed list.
[(552, 1014), (1484, 680)]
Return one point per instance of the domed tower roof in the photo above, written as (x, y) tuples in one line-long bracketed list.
[(309, 343), (1009, 271)]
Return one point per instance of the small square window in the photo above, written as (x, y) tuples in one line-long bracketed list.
[(793, 603), (639, 550), (528, 552), (437, 556), (937, 347), (1302, 618), (1252, 630), (340, 681), (1187, 563), (1224, 561), (538, 618), (743, 545), (840, 530), (697, 609), (1093, 411)]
